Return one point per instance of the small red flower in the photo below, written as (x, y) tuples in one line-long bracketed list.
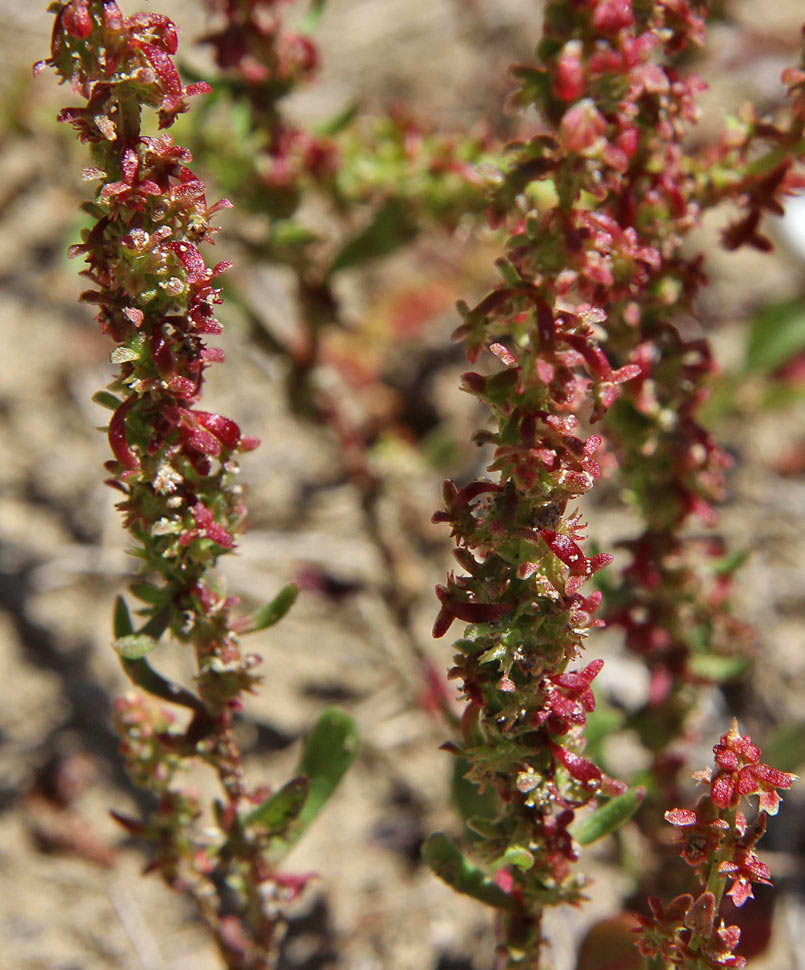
[(741, 773)]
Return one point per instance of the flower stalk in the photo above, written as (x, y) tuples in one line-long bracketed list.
[(718, 841), (176, 467), (586, 328)]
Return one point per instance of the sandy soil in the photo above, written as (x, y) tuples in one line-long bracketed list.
[(71, 897)]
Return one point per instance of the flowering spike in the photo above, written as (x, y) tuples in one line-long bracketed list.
[(718, 842), (174, 464)]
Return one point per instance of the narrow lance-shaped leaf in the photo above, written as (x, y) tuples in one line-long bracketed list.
[(138, 670), (134, 646), (338, 123), (446, 860), (281, 809), (312, 18), (777, 334), (121, 619), (329, 750), (718, 668), (274, 611), (391, 226), (609, 817)]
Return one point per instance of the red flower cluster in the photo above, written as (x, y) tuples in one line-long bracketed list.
[(740, 772), (718, 842)]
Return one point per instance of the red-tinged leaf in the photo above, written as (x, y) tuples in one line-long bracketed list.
[(198, 87), (503, 355), (112, 189), (780, 779), (566, 550), (226, 431), (77, 20), (117, 437), (201, 515), (213, 355), (130, 165), (132, 825), (156, 28), (681, 817), (581, 678), (599, 561), (701, 915), (164, 68), (722, 791), (745, 782), (566, 709), (183, 387), (221, 203), (479, 612), (188, 191), (162, 355), (203, 441), (740, 891), (443, 622), (466, 495), (626, 373), (192, 260), (726, 758), (220, 535), (204, 321), (134, 315), (592, 444), (579, 768)]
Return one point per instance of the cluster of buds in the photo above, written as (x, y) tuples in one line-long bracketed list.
[(719, 842)]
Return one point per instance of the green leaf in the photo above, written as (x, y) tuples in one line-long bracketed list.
[(776, 335), (121, 619), (312, 18), (282, 808), (446, 860), (390, 227), (286, 232), (274, 611), (601, 723), (330, 748), (122, 355), (337, 124), (517, 855), (141, 674), (148, 593), (727, 565), (508, 271), (134, 645), (610, 816), (713, 666), (107, 400), (474, 805)]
